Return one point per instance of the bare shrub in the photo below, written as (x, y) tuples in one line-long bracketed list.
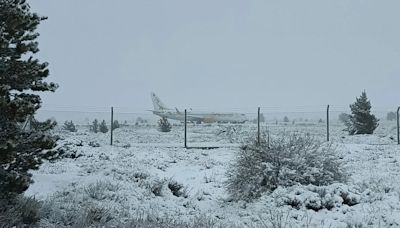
[(286, 161)]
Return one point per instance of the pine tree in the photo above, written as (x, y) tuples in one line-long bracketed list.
[(361, 121), (69, 126), (116, 124), (164, 125), (95, 126), (103, 127), (21, 78), (286, 119)]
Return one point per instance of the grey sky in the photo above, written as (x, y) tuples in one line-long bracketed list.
[(220, 54)]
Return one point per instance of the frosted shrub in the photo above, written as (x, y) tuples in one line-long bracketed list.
[(19, 212), (94, 216), (288, 160), (164, 125), (177, 189), (317, 197), (149, 219), (98, 190)]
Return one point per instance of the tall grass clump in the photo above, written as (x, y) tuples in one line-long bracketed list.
[(19, 211), (287, 160)]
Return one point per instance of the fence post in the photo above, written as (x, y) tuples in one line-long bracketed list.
[(327, 123), (258, 126), (398, 127), (112, 125), (268, 136), (185, 129)]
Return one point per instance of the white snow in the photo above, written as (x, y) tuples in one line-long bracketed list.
[(141, 156)]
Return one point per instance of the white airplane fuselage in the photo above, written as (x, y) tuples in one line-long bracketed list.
[(161, 110)]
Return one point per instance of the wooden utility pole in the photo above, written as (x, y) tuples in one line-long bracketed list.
[(185, 129), (327, 123), (258, 126), (112, 125)]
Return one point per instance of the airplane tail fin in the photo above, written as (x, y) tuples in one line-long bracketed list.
[(157, 103)]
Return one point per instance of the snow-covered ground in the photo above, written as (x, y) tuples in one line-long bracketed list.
[(147, 171)]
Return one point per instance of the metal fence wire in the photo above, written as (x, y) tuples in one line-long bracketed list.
[(142, 128)]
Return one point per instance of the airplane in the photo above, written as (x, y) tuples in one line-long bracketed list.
[(160, 109)]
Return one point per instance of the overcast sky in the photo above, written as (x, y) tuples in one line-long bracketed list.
[(220, 54)]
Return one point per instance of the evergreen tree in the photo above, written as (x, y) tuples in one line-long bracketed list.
[(361, 121), (164, 125), (103, 127), (95, 126), (286, 119), (21, 78), (69, 126), (116, 124)]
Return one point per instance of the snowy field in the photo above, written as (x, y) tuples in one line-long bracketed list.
[(149, 173)]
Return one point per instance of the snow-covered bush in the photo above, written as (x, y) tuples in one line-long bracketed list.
[(177, 189), (286, 161), (68, 150), (155, 186), (19, 212), (69, 126), (150, 219), (94, 216), (164, 125), (94, 144), (98, 190), (317, 197), (86, 206)]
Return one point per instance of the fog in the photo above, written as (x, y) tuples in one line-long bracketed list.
[(220, 55)]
